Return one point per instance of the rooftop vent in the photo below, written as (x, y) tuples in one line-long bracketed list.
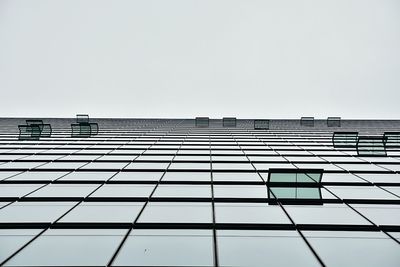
[(307, 121), (229, 122), (261, 124), (333, 122), (202, 122)]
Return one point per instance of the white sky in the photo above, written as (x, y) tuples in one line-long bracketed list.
[(187, 58)]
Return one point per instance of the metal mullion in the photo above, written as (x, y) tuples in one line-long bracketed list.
[(215, 243)]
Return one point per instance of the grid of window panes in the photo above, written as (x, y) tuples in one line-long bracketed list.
[(165, 193)]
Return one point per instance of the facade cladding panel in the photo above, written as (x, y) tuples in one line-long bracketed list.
[(158, 192)]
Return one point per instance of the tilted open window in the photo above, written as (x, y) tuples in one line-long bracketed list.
[(84, 128), (345, 139), (371, 146), (34, 129), (391, 139)]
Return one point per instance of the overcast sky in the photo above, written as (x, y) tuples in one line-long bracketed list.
[(185, 58)]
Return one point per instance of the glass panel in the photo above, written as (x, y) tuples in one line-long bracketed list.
[(13, 239), (17, 190), (4, 175), (295, 177), (187, 191), (187, 176), (34, 176), (381, 177), (250, 213), (254, 248), (393, 190), (124, 190), (64, 190), (20, 165), (104, 212), (177, 212), (62, 165), (362, 192), (137, 176), (380, 214), (364, 249), (88, 176), (341, 178), (70, 247), (189, 166), (236, 176), (337, 214), (147, 166), (240, 191), (232, 166), (105, 165), (167, 248), (34, 211)]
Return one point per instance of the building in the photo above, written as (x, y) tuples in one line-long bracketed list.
[(159, 192)]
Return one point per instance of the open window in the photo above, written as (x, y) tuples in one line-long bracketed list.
[(391, 139), (371, 146), (333, 122), (261, 124), (229, 122), (307, 121), (83, 127), (295, 185), (202, 122), (34, 129), (345, 139)]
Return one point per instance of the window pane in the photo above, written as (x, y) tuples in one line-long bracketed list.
[(240, 191), (337, 214), (167, 248), (34, 176), (34, 211), (236, 177), (13, 239), (380, 214), (137, 176), (187, 191), (17, 190), (361, 192), (124, 190), (70, 247), (187, 176), (364, 249), (177, 212), (104, 212), (250, 213), (64, 190), (88, 176), (263, 248)]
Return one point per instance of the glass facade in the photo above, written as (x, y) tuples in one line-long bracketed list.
[(155, 192)]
